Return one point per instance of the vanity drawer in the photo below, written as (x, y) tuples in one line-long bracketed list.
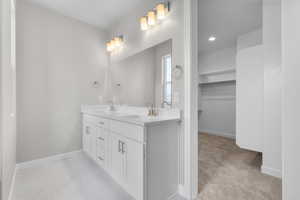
[(127, 130), (98, 121)]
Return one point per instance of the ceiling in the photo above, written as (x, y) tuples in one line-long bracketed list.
[(226, 20), (101, 13)]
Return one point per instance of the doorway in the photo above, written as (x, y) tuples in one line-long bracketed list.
[(230, 102)]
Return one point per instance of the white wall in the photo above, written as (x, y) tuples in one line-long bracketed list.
[(8, 96), (250, 98), (272, 87), (218, 60), (58, 59), (250, 91), (250, 39), (291, 99), (217, 101)]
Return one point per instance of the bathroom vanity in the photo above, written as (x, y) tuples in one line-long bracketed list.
[(140, 152)]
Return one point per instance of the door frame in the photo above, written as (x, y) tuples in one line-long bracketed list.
[(190, 190)]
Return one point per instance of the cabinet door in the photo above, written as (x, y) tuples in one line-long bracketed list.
[(89, 139), (101, 147), (133, 162), (92, 142), (86, 138), (116, 159)]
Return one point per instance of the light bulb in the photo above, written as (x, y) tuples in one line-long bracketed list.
[(113, 45), (118, 41), (161, 11), (212, 38), (108, 46), (151, 18), (144, 23)]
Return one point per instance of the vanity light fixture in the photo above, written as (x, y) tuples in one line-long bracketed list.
[(114, 44), (158, 13)]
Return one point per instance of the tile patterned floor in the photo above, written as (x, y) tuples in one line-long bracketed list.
[(227, 172)]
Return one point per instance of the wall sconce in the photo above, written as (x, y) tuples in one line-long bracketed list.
[(115, 43), (159, 13)]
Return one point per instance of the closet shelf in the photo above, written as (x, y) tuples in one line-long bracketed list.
[(224, 71), (215, 82), (206, 98), (220, 76)]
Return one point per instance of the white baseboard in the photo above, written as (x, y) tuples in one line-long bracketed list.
[(218, 133), (183, 194), (173, 196), (46, 160), (271, 171), (181, 190), (12, 186)]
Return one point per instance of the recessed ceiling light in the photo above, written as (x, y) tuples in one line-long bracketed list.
[(212, 38)]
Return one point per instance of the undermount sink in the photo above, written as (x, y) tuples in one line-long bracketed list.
[(132, 116), (119, 114)]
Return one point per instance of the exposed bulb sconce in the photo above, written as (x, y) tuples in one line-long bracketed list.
[(144, 23), (159, 13), (151, 18), (115, 43), (108, 46), (162, 9)]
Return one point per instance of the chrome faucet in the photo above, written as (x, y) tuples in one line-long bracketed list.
[(111, 106), (152, 111)]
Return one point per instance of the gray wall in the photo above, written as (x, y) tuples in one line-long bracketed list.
[(58, 58), (7, 97)]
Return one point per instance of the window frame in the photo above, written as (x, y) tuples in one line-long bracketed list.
[(164, 82)]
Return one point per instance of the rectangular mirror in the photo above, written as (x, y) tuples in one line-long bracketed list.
[(145, 78)]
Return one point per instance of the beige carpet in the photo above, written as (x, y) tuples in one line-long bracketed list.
[(227, 172)]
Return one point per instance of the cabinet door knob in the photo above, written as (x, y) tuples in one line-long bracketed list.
[(120, 146), (101, 138), (87, 130), (100, 158), (123, 148)]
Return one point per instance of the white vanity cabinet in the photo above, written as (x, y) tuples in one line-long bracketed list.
[(142, 159)]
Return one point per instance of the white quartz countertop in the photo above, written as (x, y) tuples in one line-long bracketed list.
[(133, 115)]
